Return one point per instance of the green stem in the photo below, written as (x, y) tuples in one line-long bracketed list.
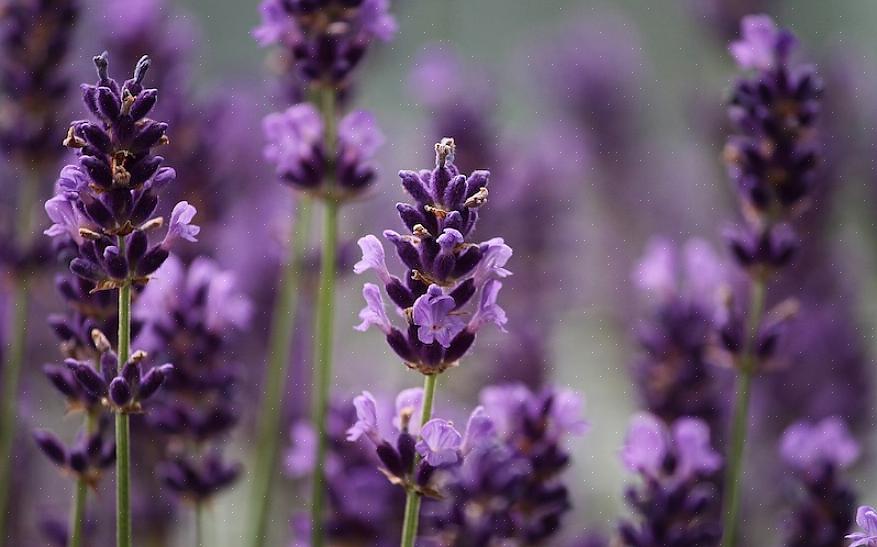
[(123, 450), (323, 363), (80, 494), (199, 524), (270, 411), (15, 352), (740, 423), (412, 498)]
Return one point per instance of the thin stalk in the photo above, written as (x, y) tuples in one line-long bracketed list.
[(412, 498), (325, 315), (323, 368), (123, 437), (199, 524), (80, 495), (271, 409), (15, 352), (740, 423)]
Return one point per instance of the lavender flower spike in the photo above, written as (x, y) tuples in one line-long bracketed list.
[(866, 518), (444, 270)]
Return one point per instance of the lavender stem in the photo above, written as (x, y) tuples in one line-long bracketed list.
[(412, 498), (123, 453), (271, 411), (324, 319), (731, 502)]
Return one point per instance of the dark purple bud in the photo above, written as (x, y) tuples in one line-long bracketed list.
[(406, 250), (410, 215), (131, 374), (96, 136), (120, 392), (87, 377), (405, 446), (476, 181), (153, 380), (108, 104), (398, 341), (98, 212), (151, 261), (119, 202), (62, 380), (109, 366), (143, 104), (455, 193), (467, 260), (62, 329), (137, 244), (51, 446), (424, 473), (459, 346), (399, 293), (463, 292), (143, 207), (77, 460), (413, 185), (148, 136), (98, 170), (391, 459), (116, 265), (143, 169)]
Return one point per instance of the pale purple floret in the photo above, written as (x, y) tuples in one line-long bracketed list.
[(433, 315), (488, 310), (480, 431), (373, 258), (809, 447), (181, 226), (292, 136), (374, 312), (648, 443), (567, 413), (359, 137), (408, 410), (492, 264), (439, 443), (366, 419), (665, 272), (66, 218), (866, 518), (764, 45)]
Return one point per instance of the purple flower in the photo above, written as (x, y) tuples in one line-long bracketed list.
[(480, 431), (181, 226), (366, 419), (866, 518), (296, 146), (648, 444), (495, 255), (67, 219), (373, 258), (439, 443), (488, 310), (694, 452), (763, 46), (645, 446), (373, 313), (809, 447), (432, 313)]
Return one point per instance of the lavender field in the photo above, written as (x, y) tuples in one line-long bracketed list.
[(471, 273)]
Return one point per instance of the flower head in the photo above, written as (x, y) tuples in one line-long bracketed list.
[(866, 518), (810, 448), (763, 45)]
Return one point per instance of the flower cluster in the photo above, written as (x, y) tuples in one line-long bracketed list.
[(87, 458), (511, 489), (445, 271), (35, 38), (122, 388), (297, 146), (677, 500), (364, 507), (674, 371), (437, 443), (817, 454), (326, 39), (189, 316), (773, 157), (105, 201)]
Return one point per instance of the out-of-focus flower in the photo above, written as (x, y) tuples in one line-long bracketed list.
[(677, 501), (866, 518)]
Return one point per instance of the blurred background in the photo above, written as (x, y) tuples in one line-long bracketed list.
[(603, 124)]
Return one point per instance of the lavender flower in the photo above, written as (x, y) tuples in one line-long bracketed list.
[(677, 501), (326, 39), (190, 315), (817, 454), (773, 157), (866, 518), (438, 442), (444, 271), (297, 146), (87, 459), (674, 372), (114, 185), (510, 489)]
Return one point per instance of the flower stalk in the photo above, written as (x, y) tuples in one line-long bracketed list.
[(412, 497), (740, 422), (123, 451), (282, 324)]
